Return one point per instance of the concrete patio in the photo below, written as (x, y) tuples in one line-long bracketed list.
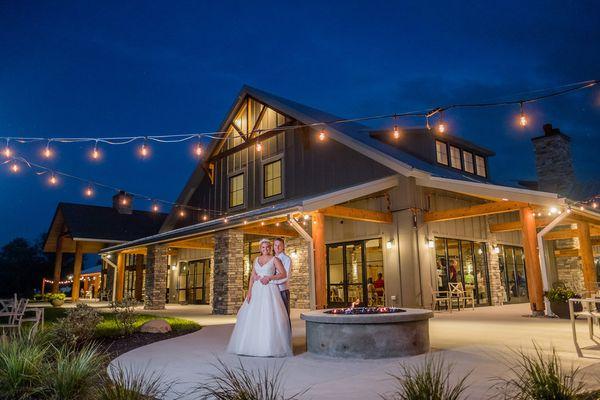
[(474, 341)]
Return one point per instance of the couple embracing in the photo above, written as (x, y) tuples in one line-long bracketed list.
[(263, 327)]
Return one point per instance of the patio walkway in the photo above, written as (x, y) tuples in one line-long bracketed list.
[(471, 340)]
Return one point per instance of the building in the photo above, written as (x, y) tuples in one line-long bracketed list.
[(84, 229), (421, 210)]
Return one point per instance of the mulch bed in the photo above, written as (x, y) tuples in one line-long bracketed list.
[(120, 345)]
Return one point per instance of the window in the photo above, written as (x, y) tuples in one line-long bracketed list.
[(236, 190), (480, 164), (468, 161), (272, 179), (442, 152), (455, 157)]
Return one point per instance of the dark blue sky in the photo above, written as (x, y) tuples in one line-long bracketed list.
[(89, 68)]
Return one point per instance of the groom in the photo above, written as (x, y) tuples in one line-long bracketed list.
[(284, 289)]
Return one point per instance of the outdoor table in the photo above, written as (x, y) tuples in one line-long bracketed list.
[(590, 311)]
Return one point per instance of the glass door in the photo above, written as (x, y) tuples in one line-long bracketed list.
[(346, 274), (194, 277)]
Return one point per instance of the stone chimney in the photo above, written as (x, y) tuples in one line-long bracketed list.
[(123, 203), (553, 161)]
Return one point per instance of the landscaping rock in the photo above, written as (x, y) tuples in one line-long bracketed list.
[(156, 326)]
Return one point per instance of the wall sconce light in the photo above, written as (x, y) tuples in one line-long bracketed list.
[(294, 254), (430, 244), (173, 267), (389, 244), (109, 256), (496, 250)]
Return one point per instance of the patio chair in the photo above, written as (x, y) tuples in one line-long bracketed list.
[(14, 316), (458, 293), (36, 315), (439, 297)]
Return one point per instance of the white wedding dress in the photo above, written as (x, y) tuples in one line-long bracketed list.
[(262, 327)]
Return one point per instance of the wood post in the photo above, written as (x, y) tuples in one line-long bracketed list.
[(532, 260), (587, 256), (139, 276), (120, 277), (320, 267), (77, 271), (57, 263)]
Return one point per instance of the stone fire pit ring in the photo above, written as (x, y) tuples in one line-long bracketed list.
[(385, 335)]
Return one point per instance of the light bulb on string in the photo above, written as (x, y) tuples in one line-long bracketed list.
[(594, 205), (144, 150), (522, 117), (155, 207), (205, 217), (258, 146), (396, 130), (427, 123), (7, 151), (14, 167), (53, 180), (198, 150), (95, 153), (181, 213), (322, 135), (47, 151), (89, 191), (441, 125)]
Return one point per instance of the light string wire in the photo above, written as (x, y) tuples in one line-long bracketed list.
[(222, 135), (41, 170)]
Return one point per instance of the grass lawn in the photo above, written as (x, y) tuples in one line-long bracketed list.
[(108, 327)]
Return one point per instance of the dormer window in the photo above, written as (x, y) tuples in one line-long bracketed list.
[(480, 164), (442, 152), (455, 157), (468, 162)]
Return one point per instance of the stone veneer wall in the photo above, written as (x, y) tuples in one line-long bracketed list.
[(156, 277), (300, 280), (228, 281), (497, 290), (569, 269), (553, 161)]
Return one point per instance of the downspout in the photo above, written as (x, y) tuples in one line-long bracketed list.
[(543, 268), (311, 269), (112, 264)]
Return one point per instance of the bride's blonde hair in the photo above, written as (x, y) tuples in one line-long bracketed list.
[(265, 240)]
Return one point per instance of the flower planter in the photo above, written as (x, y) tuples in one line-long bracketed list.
[(57, 302), (561, 309)]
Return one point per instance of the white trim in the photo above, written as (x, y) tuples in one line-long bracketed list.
[(76, 239), (489, 190), (311, 262)]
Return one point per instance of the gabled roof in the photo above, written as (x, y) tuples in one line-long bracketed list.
[(103, 224), (352, 134)]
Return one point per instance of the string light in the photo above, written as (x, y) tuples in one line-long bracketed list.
[(95, 153), (52, 180), (89, 191), (181, 213), (48, 151), (198, 150), (14, 167), (396, 131), (522, 117), (124, 201), (258, 146), (594, 205), (7, 151), (155, 207), (322, 135), (205, 217), (144, 150), (441, 126)]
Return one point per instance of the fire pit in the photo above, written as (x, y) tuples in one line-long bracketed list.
[(367, 332)]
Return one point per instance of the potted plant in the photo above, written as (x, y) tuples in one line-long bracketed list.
[(559, 300), (56, 299)]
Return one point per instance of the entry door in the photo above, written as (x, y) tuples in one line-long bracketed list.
[(346, 274), (194, 278)]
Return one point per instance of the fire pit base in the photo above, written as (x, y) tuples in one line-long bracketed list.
[(368, 335)]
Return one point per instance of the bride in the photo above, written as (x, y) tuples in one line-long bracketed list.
[(262, 327)]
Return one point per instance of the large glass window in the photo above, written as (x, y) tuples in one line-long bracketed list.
[(272, 179), (455, 157), (512, 273), (468, 162), (236, 190), (442, 152), (463, 261), (355, 273), (480, 164)]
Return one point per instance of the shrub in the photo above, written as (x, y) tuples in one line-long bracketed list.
[(126, 384), (55, 296), (125, 316), (38, 297), (22, 367), (77, 327), (240, 383), (538, 376), (428, 381), (75, 373), (560, 294)]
